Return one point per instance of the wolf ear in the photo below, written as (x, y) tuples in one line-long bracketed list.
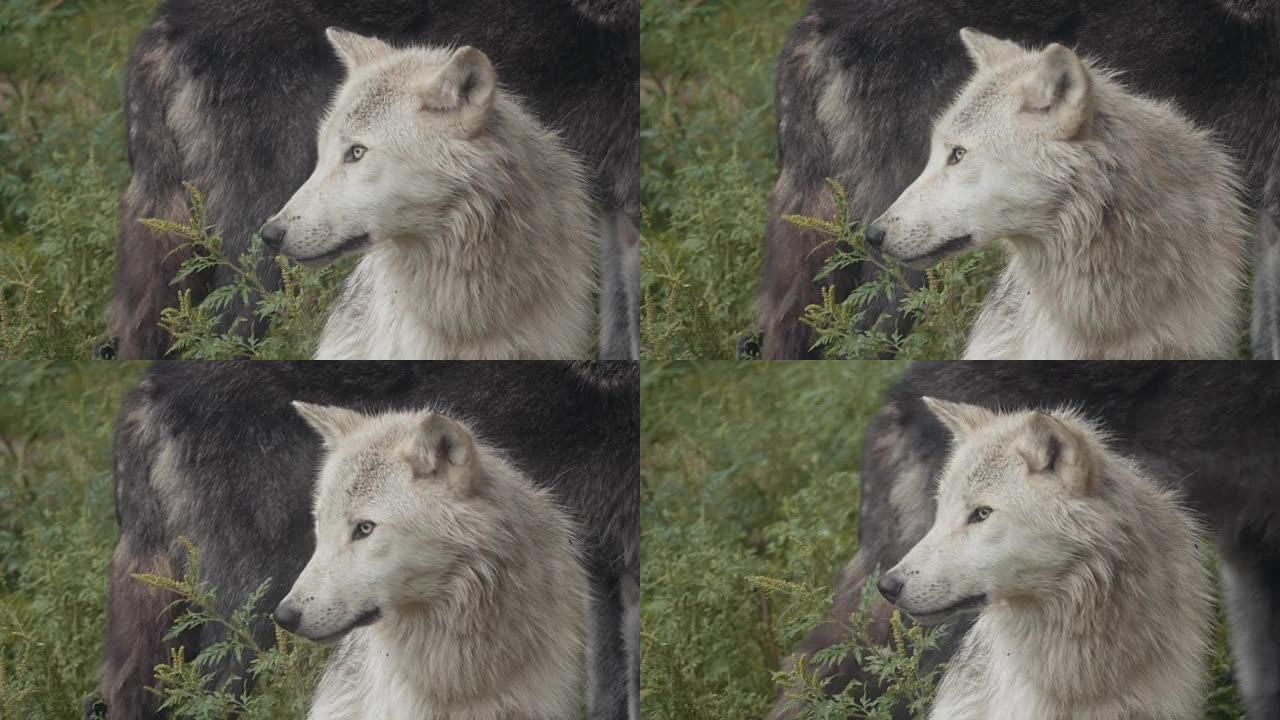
[(355, 50), (1049, 446), (331, 422), (959, 418), (465, 85), (1058, 94), (443, 449), (987, 50)]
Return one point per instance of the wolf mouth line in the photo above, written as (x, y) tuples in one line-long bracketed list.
[(970, 603), (950, 247), (351, 244), (366, 619)]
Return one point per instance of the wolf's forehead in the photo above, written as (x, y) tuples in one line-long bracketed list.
[(366, 103), (363, 473), (983, 106), (368, 97), (979, 468)]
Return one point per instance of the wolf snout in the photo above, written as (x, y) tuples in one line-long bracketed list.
[(890, 586), (273, 234), (875, 235), (288, 616)]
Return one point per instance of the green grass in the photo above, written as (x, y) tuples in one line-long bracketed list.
[(62, 169), (57, 529), (749, 495), (707, 164)]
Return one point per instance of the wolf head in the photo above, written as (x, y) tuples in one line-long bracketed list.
[(401, 140), (1010, 506), (1000, 156), (394, 515)]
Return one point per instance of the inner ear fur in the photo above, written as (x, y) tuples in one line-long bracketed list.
[(466, 84), (1049, 446), (1057, 95), (441, 449)]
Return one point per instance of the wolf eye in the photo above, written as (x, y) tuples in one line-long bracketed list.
[(362, 530), (354, 153), (979, 514), (957, 152)]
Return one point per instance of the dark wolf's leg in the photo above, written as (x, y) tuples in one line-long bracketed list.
[(607, 673), (619, 286), (1266, 290), (137, 621), (145, 259), (1251, 588), (631, 637), (826, 126)]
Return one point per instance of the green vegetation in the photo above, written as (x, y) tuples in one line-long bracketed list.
[(57, 531), (63, 167), (707, 164), (749, 497)]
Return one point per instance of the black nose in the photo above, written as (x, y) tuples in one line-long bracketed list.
[(273, 234), (875, 235), (890, 586), (288, 616)]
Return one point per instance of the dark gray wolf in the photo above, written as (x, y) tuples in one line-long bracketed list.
[(1209, 429), (228, 96), (216, 453), (859, 85)]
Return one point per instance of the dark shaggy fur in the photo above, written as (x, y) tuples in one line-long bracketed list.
[(859, 84), (1211, 429), (215, 453), (228, 95)]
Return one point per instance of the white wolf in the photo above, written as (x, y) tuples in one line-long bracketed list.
[(475, 221), (1092, 598), (1124, 223), (452, 581)]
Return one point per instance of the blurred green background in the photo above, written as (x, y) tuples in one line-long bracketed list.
[(62, 168), (57, 529), (708, 158)]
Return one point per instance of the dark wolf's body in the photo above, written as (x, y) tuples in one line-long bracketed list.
[(1210, 429), (215, 453), (228, 95), (860, 83)]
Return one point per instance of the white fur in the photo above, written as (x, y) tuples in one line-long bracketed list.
[(1095, 604), (483, 601), (1123, 221), (477, 224)]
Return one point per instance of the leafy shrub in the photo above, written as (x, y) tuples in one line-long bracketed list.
[(292, 314), (279, 678), (938, 314)]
